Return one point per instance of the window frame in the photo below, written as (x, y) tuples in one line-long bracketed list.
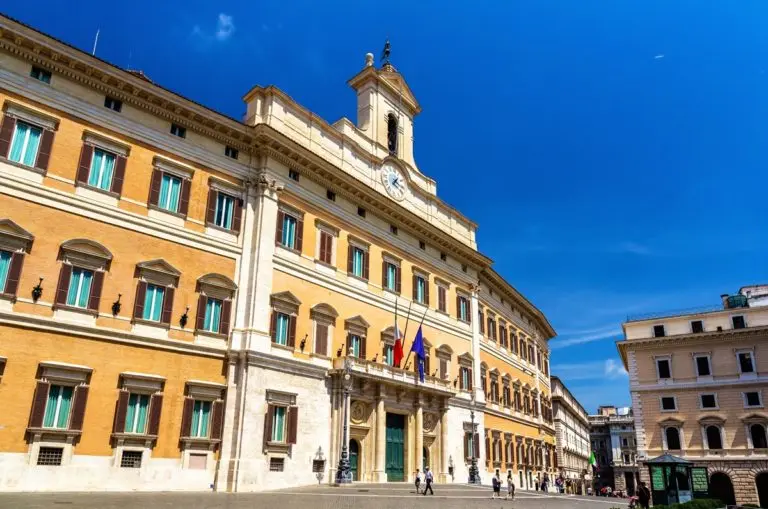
[(321, 229), (467, 315), (177, 130), (655, 330), (693, 331), (43, 75), (759, 398), (751, 352), (661, 404), (743, 322), (231, 152), (701, 401), (696, 357), (356, 245), (657, 360), (112, 103)]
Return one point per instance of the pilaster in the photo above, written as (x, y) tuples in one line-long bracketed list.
[(476, 338), (443, 474), (419, 410), (379, 470)]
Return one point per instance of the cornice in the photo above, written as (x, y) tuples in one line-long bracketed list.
[(289, 366)]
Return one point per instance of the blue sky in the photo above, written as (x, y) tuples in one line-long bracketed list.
[(612, 152)]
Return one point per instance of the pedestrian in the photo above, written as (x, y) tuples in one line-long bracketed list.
[(418, 481), (428, 478), (510, 487), (496, 482), (536, 484), (643, 495)]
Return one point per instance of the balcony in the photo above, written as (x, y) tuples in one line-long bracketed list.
[(384, 373)]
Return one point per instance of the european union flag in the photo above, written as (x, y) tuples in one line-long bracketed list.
[(418, 349)]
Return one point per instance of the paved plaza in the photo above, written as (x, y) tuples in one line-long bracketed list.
[(368, 496)]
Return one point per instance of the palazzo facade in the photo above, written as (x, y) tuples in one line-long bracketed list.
[(180, 292)]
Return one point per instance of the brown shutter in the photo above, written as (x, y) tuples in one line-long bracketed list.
[(154, 187), (186, 416), (38, 404), (273, 326), (292, 331), (323, 251), (6, 134), (138, 305), (293, 423), (119, 176), (200, 318), (44, 152), (366, 262), (237, 215), (63, 285), (14, 273), (226, 315), (78, 408), (363, 345), (349, 339), (155, 409), (167, 305), (384, 282), (186, 187), (426, 290), (469, 311), (329, 247), (279, 228), (95, 297), (415, 280), (217, 420), (210, 215), (350, 252), (299, 234), (84, 167), (466, 446), (458, 306), (476, 440), (268, 417), (397, 279), (121, 409), (321, 339)]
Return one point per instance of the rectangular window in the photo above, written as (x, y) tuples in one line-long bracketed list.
[(463, 310), (330, 195), (40, 74), (421, 290), (201, 418), (326, 247), (668, 403), (658, 331), (289, 232), (355, 345), (443, 257), (25, 142), (708, 401), (443, 368), (5, 267), (57, 407), (113, 104), (662, 366), (50, 456), (278, 424), (179, 131), (422, 245), (102, 168), (745, 362), (752, 399), (702, 366), (466, 378), (391, 282), (389, 355), (131, 459), (212, 321), (358, 262), (170, 191), (282, 323), (361, 211), (697, 326), (738, 322), (442, 299), (153, 302), (231, 152), (136, 415), (393, 229), (276, 464), (79, 288), (293, 175), (225, 210)]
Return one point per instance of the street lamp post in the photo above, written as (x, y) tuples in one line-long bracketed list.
[(343, 473), (474, 475)]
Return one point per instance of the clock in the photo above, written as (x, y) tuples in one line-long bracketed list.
[(394, 181)]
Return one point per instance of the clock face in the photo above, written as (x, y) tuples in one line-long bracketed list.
[(394, 182)]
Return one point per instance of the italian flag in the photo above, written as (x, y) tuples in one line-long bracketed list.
[(593, 461)]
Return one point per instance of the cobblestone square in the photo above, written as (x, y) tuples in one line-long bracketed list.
[(370, 496)]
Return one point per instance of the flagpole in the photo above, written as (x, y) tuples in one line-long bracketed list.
[(414, 338), (408, 318)]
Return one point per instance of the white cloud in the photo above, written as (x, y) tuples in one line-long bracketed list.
[(614, 369), (608, 369), (225, 27), (586, 336)]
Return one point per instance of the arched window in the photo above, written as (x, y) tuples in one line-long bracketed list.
[(673, 438), (392, 133), (758, 436), (713, 437)]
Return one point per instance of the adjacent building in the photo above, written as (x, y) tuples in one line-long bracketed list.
[(182, 294), (698, 380), (572, 439), (612, 436)]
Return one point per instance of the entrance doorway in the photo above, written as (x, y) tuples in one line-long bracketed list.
[(521, 480), (721, 488), (629, 479), (425, 459), (395, 456), (354, 456), (761, 482)]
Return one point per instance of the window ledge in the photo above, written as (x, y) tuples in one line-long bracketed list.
[(280, 448), (220, 233), (139, 437), (32, 169), (325, 264), (54, 431), (209, 334), (283, 347), (75, 309), (151, 323), (191, 441), (96, 194), (173, 218), (8, 296)]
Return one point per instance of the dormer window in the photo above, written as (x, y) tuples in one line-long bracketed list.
[(392, 133)]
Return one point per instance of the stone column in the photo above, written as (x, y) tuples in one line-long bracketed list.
[(443, 478), (379, 469), (476, 337), (333, 455), (419, 433)]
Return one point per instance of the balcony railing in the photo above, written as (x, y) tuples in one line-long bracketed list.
[(391, 374), (674, 312)]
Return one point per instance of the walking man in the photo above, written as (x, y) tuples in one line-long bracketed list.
[(496, 481), (418, 481), (429, 479), (643, 495)]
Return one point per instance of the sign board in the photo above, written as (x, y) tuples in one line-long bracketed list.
[(700, 482), (657, 479)]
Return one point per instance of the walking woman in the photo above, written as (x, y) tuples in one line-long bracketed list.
[(510, 487)]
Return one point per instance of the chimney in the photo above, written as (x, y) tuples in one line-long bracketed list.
[(724, 297)]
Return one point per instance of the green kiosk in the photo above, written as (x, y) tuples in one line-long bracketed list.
[(675, 480)]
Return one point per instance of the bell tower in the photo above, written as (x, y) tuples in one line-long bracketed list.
[(386, 107)]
